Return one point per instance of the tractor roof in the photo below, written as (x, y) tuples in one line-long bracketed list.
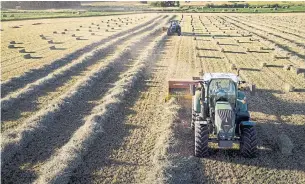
[(209, 76)]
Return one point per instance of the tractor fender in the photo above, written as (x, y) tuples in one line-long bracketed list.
[(196, 102), (247, 123)]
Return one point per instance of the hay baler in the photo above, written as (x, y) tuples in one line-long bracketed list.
[(219, 112)]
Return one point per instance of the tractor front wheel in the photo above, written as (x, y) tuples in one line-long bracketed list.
[(201, 140), (248, 144)]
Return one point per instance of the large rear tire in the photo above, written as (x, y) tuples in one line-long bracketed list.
[(169, 33), (248, 143), (201, 140)]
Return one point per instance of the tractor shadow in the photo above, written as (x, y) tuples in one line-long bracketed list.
[(269, 155), (181, 150)]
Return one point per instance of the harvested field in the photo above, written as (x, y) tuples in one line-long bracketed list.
[(93, 110)]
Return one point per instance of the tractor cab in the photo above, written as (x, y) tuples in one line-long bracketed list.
[(174, 28), (174, 23), (222, 90)]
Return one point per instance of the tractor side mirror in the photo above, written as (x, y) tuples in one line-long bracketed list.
[(241, 82), (192, 89)]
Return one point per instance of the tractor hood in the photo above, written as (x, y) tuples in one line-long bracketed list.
[(224, 120)]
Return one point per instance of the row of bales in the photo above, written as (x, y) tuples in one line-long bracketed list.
[(275, 57), (119, 22)]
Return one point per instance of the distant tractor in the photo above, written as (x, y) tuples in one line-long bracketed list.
[(174, 28), (220, 113)]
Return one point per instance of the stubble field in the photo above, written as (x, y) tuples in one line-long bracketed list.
[(92, 110)]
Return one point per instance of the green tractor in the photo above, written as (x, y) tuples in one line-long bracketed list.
[(220, 114), (219, 111)]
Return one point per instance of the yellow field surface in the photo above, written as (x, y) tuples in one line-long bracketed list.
[(100, 116)]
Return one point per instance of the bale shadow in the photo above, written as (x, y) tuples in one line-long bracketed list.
[(226, 36), (234, 52), (195, 35), (260, 52), (35, 57), (57, 42), (274, 66), (250, 69), (244, 42), (83, 39), (299, 90), (18, 47), (229, 44), (206, 49), (60, 49), (29, 52), (210, 57)]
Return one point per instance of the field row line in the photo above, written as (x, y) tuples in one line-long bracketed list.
[(297, 58), (87, 59), (276, 29), (276, 22), (9, 85), (275, 36), (298, 45), (45, 49), (58, 169), (14, 140), (268, 69)]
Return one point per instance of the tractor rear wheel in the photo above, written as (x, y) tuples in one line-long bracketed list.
[(201, 140), (168, 33), (248, 143)]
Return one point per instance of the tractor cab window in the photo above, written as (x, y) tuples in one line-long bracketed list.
[(174, 23), (222, 90)]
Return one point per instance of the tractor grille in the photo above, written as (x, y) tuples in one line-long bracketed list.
[(226, 117), (225, 113)]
